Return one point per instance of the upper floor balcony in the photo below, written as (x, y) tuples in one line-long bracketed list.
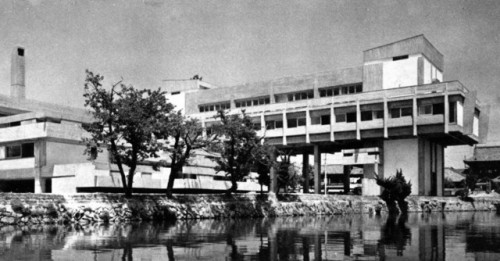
[(30, 126)]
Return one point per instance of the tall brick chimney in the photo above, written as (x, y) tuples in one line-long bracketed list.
[(17, 74)]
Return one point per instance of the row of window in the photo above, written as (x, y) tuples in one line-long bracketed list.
[(215, 107), (301, 96), (26, 150), (432, 109), (252, 102), (340, 90)]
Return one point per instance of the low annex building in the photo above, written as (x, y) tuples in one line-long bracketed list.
[(35, 136), (41, 150)]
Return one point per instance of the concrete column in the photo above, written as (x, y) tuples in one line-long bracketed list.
[(358, 120), (446, 109), (308, 125), (415, 112), (204, 129), (285, 126), (40, 161), (273, 173), (440, 169), (317, 169), (39, 182), (386, 118), (262, 122), (305, 172), (332, 122)]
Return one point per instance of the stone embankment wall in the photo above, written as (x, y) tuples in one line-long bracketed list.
[(28, 209)]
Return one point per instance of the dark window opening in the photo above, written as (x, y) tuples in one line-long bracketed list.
[(351, 117), (27, 150), (175, 93), (20, 51), (301, 121), (336, 92), (209, 131), (425, 109), (340, 118), (378, 114), (395, 113), (325, 120), (366, 115), (315, 120), (16, 123), (301, 95), (407, 111), (257, 126), (13, 151), (348, 154), (270, 125), (402, 57), (438, 108), (291, 123), (186, 176), (322, 93), (453, 112), (215, 107), (359, 88)]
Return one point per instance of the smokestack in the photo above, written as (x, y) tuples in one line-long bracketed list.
[(17, 74)]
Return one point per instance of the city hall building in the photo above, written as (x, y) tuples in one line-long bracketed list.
[(394, 108), (392, 112)]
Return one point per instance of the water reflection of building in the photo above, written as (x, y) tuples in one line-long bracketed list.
[(456, 236)]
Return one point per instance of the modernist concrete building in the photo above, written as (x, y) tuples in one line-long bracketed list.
[(394, 111), (394, 105)]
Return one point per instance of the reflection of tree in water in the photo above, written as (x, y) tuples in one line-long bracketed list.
[(286, 244), (394, 233)]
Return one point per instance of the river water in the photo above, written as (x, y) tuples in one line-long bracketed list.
[(450, 236)]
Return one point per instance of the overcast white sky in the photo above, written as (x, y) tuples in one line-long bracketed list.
[(231, 42)]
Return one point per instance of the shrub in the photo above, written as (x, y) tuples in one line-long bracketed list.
[(396, 189), (16, 205)]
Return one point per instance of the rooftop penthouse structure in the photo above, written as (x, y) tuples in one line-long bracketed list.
[(395, 107)]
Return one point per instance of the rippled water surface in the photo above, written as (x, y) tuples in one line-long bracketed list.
[(452, 236)]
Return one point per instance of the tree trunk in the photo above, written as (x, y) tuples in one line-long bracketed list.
[(234, 186), (174, 172), (128, 191)]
